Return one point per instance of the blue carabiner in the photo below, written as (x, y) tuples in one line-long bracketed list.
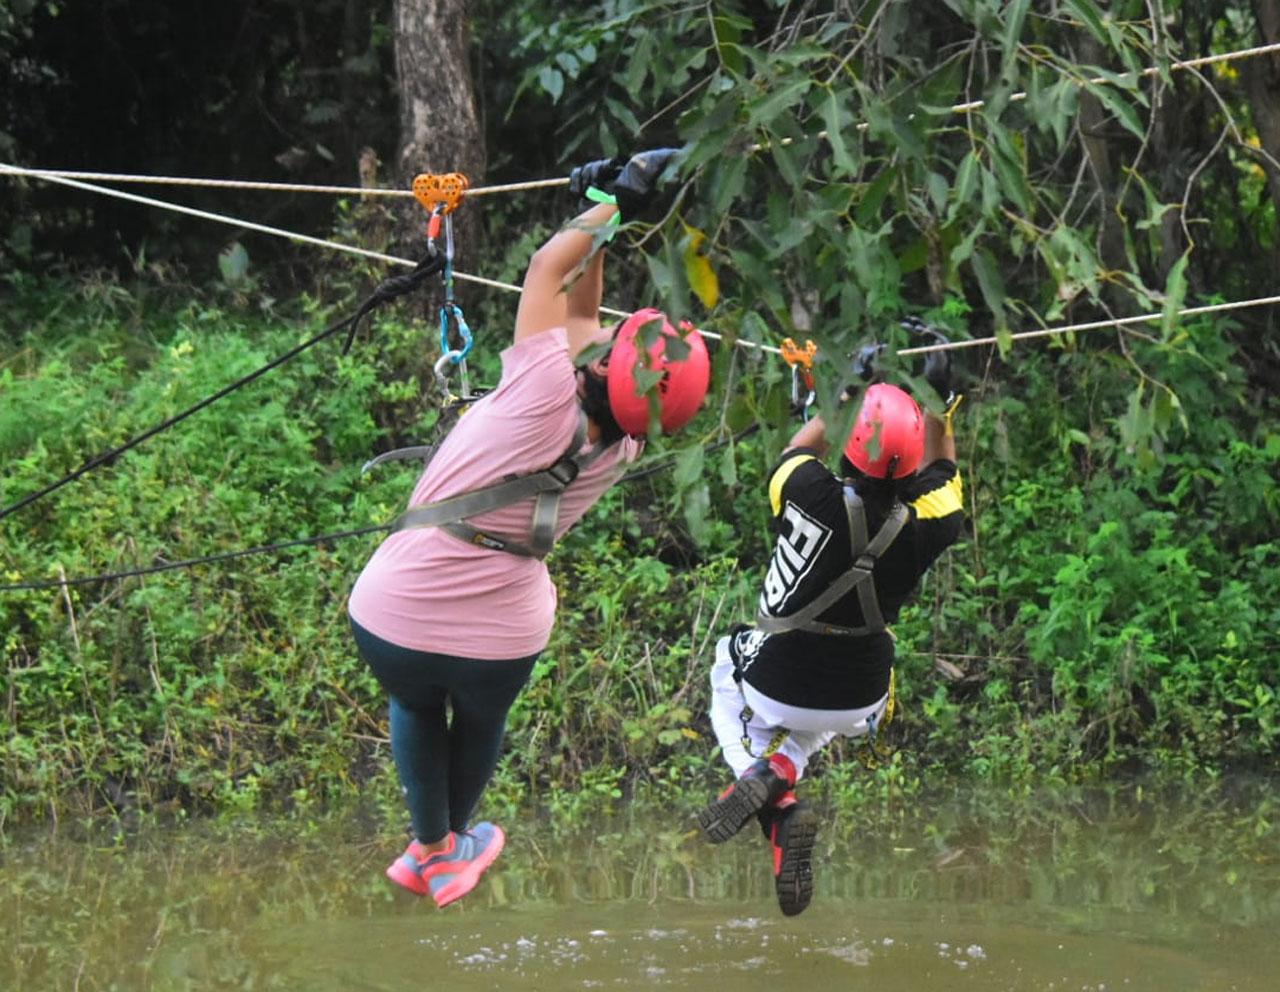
[(453, 310)]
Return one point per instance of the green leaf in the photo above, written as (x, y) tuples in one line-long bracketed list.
[(1015, 16), (697, 502), (716, 122), (1013, 181), (767, 108), (873, 198), (1088, 12), (622, 113), (990, 193), (961, 252), (833, 118), (552, 81), (728, 34), (689, 463), (1118, 105), (1066, 105), (233, 263), (1175, 293), (641, 62), (729, 466), (993, 292), (936, 184), (965, 186), (569, 63)]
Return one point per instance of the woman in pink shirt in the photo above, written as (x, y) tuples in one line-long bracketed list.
[(455, 611)]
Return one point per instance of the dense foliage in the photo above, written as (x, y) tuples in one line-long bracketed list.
[(1118, 595), (1094, 616)]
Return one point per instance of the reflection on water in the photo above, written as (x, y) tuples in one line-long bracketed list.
[(1094, 892)]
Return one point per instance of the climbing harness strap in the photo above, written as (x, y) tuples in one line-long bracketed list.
[(775, 742), (864, 554), (546, 486), (873, 751)]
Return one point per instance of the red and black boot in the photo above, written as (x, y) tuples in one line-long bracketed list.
[(792, 830), (760, 786)]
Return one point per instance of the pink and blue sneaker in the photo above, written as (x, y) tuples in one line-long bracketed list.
[(452, 873)]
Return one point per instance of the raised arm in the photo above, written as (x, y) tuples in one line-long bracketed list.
[(582, 304), (548, 299), (939, 441), (813, 434)]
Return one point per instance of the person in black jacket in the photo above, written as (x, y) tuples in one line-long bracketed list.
[(818, 662)]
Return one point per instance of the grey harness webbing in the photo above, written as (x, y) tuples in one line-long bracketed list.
[(546, 486), (864, 554)]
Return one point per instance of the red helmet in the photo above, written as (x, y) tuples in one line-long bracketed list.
[(682, 387), (890, 424)]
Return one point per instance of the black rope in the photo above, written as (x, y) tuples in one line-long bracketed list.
[(322, 538), (388, 290), (169, 566)]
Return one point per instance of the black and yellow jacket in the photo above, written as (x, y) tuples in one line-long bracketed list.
[(819, 671)]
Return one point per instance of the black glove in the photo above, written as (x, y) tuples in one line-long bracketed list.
[(600, 174), (636, 185), (863, 370), (937, 364), (864, 362)]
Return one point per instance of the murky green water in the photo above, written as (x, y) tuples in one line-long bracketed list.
[(1061, 892)]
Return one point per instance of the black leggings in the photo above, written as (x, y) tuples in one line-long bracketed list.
[(444, 762)]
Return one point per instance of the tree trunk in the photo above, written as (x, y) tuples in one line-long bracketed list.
[(1262, 79), (439, 126)]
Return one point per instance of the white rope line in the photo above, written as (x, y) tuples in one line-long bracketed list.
[(509, 287), (1244, 53), (116, 177), (959, 108), (120, 177), (206, 215), (1094, 325), (307, 239)]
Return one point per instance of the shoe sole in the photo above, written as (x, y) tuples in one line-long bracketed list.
[(725, 817), (469, 876), (794, 881), (407, 878)]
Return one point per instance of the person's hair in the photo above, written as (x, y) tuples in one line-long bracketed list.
[(595, 404), (879, 493)]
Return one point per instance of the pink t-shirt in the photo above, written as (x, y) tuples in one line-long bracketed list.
[(427, 590)]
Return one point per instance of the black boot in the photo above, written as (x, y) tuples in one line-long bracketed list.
[(760, 785), (792, 831)]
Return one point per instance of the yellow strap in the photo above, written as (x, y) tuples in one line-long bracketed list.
[(780, 478), (949, 413)]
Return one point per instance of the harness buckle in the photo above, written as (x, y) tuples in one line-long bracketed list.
[(564, 472)]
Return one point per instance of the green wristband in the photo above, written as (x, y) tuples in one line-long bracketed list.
[(597, 195)]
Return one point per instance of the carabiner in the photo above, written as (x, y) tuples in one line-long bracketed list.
[(452, 310), (443, 364)]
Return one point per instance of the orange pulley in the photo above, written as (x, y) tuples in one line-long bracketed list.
[(439, 194)]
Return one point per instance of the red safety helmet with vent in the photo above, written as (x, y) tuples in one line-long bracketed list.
[(891, 425), (684, 381)]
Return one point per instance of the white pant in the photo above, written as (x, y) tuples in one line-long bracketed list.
[(800, 732)]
